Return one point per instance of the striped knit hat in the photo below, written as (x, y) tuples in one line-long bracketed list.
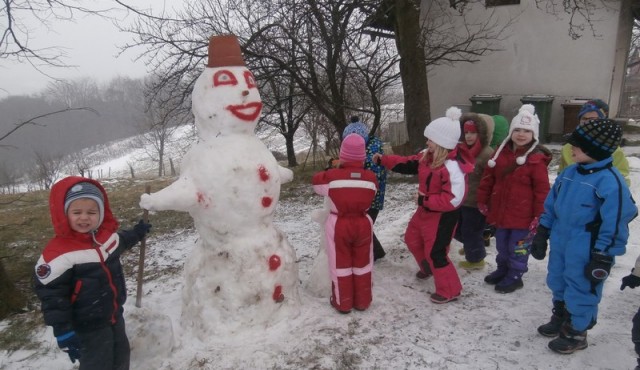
[(85, 190), (598, 138)]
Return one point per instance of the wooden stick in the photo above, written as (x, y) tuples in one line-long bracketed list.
[(143, 246)]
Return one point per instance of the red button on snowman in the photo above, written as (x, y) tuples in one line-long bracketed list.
[(242, 271)]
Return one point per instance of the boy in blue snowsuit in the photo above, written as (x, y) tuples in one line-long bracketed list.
[(586, 216)]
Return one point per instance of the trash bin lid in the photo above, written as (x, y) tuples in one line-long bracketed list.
[(485, 97), (537, 98), (574, 102)]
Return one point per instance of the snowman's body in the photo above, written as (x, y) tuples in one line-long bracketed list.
[(242, 270)]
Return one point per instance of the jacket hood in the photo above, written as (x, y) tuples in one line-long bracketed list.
[(59, 219), (485, 126)]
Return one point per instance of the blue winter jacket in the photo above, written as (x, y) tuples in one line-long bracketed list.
[(590, 206)]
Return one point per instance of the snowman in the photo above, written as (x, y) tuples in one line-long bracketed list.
[(242, 271)]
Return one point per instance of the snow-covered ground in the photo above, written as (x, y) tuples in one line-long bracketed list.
[(402, 329)]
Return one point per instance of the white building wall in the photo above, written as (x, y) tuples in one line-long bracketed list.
[(538, 57)]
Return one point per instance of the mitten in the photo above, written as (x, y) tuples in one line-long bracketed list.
[(141, 229), (70, 344), (598, 268), (539, 243), (630, 281), (483, 208)]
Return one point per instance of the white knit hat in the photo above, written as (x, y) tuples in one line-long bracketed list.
[(525, 119), (445, 131)]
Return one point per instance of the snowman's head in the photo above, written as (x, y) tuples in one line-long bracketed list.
[(225, 98)]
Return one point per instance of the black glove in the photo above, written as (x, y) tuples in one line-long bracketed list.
[(70, 344), (539, 243), (630, 281), (141, 229), (597, 270)]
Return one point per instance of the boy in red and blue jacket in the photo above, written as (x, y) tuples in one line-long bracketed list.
[(79, 277)]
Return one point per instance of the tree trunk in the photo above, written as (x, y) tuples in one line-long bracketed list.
[(291, 153), (413, 71), (11, 300), (173, 168)]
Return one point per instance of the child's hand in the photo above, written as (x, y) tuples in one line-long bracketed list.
[(599, 267), (141, 229), (70, 344), (483, 208), (377, 159), (630, 281), (539, 243)]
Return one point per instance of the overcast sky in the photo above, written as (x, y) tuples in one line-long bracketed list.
[(90, 44)]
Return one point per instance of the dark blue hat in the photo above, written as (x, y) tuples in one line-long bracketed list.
[(598, 138)]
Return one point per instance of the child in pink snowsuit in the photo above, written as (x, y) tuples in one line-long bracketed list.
[(348, 228), (442, 184)]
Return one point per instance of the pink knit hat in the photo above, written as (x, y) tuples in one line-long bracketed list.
[(352, 149)]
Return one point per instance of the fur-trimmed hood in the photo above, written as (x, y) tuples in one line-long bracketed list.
[(485, 126)]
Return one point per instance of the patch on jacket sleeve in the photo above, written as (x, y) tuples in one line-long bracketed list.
[(43, 271)]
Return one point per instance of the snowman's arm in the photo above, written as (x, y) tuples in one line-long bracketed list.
[(320, 215), (286, 174), (320, 183), (179, 196)]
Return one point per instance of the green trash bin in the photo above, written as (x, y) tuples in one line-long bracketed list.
[(486, 103), (543, 104)]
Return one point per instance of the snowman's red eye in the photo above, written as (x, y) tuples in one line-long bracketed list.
[(224, 77), (249, 79)]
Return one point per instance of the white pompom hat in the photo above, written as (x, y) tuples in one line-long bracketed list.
[(525, 119), (445, 131)]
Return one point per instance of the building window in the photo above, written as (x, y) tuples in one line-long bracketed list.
[(489, 3)]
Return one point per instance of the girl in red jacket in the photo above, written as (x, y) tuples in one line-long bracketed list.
[(442, 185), (511, 194), (348, 227)]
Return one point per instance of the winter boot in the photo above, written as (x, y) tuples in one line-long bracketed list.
[(425, 272), (509, 285), (472, 265), (570, 340), (437, 298), (496, 276), (560, 315)]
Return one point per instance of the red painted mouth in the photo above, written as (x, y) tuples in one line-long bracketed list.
[(247, 112)]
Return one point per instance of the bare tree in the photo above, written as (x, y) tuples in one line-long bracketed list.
[(164, 114), (81, 92), (36, 121), (47, 169), (19, 17), (428, 34), (82, 163), (285, 107), (307, 40), (582, 13)]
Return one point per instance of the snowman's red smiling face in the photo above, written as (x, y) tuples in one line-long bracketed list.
[(225, 101), (248, 110)]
